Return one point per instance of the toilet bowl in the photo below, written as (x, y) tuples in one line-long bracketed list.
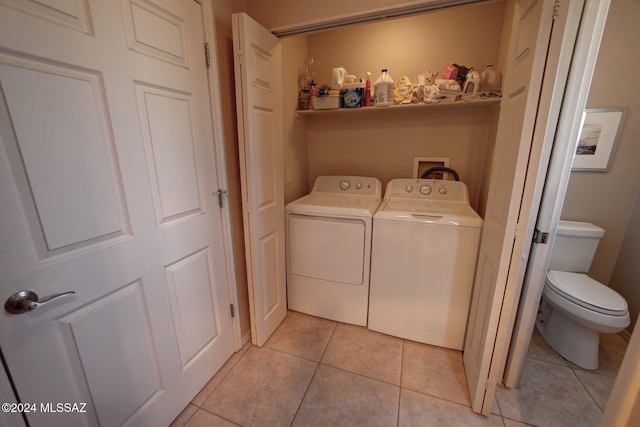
[(574, 312), (575, 309)]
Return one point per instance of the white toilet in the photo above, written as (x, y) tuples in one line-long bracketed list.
[(576, 309)]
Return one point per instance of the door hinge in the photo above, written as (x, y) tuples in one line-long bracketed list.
[(220, 193), (540, 237), (240, 57), (233, 310), (207, 54), (556, 9)]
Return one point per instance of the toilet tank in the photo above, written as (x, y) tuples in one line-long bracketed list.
[(574, 246)]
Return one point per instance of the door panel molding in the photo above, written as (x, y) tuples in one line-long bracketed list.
[(74, 99), (142, 20), (76, 15), (126, 350)]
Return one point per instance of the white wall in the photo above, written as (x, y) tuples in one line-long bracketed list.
[(469, 35), (296, 165), (608, 198), (384, 144), (626, 273)]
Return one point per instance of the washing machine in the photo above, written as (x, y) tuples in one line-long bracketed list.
[(424, 249), (328, 248)]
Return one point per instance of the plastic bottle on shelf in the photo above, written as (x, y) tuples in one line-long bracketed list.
[(491, 79), (384, 89), (367, 91)]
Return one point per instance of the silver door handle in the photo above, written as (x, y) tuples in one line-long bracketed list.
[(220, 193), (24, 301)]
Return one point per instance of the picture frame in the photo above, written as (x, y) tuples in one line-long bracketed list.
[(597, 140)]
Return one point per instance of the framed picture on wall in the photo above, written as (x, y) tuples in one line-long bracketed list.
[(598, 137)]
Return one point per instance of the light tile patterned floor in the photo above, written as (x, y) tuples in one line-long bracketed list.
[(316, 372)]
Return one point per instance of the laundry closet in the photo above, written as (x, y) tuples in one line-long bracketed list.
[(490, 147), (387, 143)]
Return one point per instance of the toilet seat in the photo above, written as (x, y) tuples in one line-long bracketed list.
[(586, 292)]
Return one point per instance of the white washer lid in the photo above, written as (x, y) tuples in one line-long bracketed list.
[(586, 292), (429, 211)]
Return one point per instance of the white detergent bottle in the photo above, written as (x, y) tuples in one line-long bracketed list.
[(491, 79), (383, 90)]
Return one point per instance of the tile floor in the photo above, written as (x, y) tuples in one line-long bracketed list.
[(316, 372)]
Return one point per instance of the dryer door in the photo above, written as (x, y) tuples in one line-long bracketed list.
[(326, 248)]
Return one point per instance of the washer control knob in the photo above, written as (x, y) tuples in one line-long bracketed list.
[(358, 185), (442, 190), (425, 189), (409, 188), (344, 185)]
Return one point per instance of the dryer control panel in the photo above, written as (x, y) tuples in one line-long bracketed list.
[(350, 185), (428, 189)]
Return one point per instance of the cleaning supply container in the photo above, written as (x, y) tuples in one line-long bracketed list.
[(491, 79), (384, 89), (338, 75), (353, 95), (368, 96)]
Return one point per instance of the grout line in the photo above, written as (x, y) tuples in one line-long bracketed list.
[(335, 326), (444, 399), (241, 355), (356, 373), (305, 392), (302, 357), (188, 419), (495, 399), (518, 421), (562, 362), (219, 416), (277, 350), (400, 387), (361, 375), (586, 389), (573, 370)]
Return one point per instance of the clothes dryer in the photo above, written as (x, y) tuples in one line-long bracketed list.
[(424, 250), (328, 248)]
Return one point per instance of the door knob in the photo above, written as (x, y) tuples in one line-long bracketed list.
[(24, 301)]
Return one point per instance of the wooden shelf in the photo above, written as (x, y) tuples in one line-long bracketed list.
[(477, 103)]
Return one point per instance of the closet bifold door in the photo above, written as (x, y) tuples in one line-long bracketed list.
[(257, 64)]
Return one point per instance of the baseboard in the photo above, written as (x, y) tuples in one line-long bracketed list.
[(247, 337), (626, 335)]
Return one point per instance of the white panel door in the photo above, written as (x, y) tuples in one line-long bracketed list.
[(529, 42), (258, 63), (582, 57), (107, 175)]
